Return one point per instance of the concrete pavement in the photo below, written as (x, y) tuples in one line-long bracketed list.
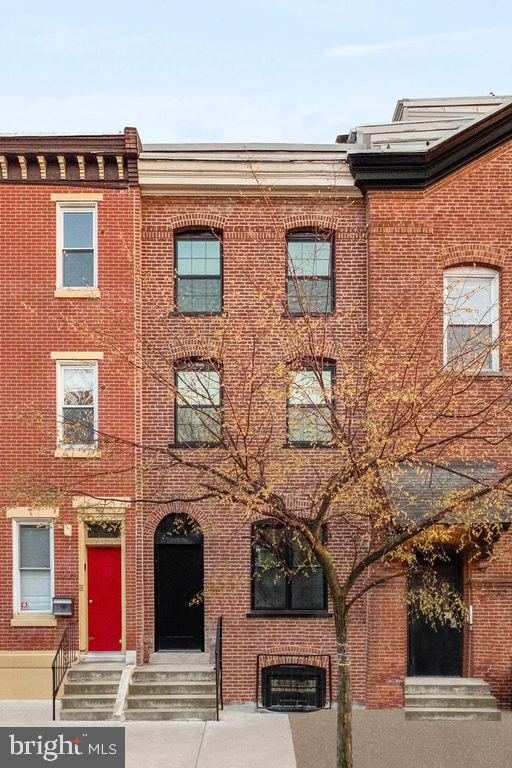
[(242, 739), (384, 739)]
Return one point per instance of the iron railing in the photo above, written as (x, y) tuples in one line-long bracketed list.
[(219, 701), (319, 660), (66, 654)]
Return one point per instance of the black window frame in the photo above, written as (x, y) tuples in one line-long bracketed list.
[(311, 234), (288, 554), (196, 365), (198, 233), (327, 365)]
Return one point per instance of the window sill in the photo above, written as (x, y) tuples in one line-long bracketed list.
[(177, 313), (295, 315), (77, 453), (77, 293), (193, 446), (490, 374), (34, 620), (310, 446), (288, 615)]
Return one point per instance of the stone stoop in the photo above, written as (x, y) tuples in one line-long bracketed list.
[(90, 691), (449, 698), (172, 687)]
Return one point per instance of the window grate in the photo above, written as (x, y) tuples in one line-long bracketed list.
[(298, 683)]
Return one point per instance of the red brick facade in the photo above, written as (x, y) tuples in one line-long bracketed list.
[(386, 244), (413, 236), (35, 324)]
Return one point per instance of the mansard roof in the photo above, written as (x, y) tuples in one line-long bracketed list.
[(427, 140)]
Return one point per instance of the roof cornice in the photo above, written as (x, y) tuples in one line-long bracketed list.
[(419, 170), (195, 175), (108, 160)]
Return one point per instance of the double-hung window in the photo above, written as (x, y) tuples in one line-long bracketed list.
[(77, 404), (33, 567), (309, 282), (198, 272), (77, 246), (197, 415), (471, 318), (286, 575), (309, 405)]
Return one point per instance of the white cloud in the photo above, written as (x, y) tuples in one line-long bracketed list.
[(359, 51)]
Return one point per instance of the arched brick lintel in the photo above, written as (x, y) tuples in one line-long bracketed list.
[(466, 254), (198, 512)]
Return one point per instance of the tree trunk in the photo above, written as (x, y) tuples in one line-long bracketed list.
[(344, 730)]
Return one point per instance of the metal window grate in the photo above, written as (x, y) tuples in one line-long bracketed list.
[(293, 683)]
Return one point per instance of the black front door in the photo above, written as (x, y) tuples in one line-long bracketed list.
[(437, 651), (179, 611)]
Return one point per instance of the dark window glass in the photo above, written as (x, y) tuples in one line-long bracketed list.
[(310, 406), (78, 249), (309, 273), (286, 576), (198, 264), (198, 402), (109, 530)]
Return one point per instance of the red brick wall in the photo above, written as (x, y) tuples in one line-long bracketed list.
[(413, 236), (254, 266), (33, 324)]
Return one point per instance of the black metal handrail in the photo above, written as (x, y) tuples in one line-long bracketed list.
[(322, 660), (219, 700), (66, 654)]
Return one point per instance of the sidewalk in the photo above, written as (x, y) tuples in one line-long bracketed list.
[(384, 739), (242, 739)]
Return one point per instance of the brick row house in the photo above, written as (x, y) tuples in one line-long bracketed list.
[(130, 263)]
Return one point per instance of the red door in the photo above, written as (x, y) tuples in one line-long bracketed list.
[(104, 596)]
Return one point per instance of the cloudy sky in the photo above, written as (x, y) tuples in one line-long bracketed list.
[(241, 70)]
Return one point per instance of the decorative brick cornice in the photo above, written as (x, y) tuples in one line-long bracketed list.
[(103, 160)]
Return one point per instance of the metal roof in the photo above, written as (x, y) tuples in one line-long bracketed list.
[(417, 490), (421, 123)]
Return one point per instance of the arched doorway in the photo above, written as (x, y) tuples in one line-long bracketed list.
[(179, 576), (437, 651)]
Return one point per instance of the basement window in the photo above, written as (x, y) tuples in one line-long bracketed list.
[(293, 687)]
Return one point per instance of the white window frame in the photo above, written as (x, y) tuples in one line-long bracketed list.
[(475, 272), (76, 207), (61, 364), (16, 581)]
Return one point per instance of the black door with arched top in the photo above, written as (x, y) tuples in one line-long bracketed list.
[(179, 575)]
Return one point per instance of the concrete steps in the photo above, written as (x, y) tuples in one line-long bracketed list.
[(449, 698), (182, 689), (90, 691), (170, 714)]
